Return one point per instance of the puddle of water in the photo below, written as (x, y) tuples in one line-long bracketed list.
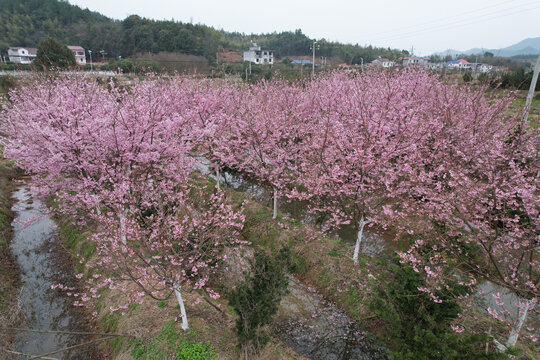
[(485, 299), (312, 326), (33, 247)]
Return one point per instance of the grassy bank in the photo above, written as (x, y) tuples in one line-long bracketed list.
[(9, 284), (320, 261), (326, 264), (150, 328)]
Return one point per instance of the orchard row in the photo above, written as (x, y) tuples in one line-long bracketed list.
[(445, 166)]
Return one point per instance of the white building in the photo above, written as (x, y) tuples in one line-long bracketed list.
[(80, 57), (385, 63), (258, 56), (485, 68), (22, 55), (416, 61)]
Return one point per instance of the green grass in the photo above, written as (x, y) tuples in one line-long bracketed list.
[(76, 242), (170, 344), (334, 253), (521, 102), (300, 264), (4, 221), (110, 322), (8, 276), (71, 237)]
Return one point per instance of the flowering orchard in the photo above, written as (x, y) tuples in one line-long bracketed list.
[(439, 163), (121, 158)]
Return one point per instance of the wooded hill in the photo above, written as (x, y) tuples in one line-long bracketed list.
[(26, 22)]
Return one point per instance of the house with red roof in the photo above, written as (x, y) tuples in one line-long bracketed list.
[(459, 64)]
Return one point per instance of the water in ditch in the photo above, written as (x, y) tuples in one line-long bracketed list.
[(41, 264), (317, 328), (373, 244)]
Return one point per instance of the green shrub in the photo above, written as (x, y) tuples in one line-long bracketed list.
[(7, 82), (419, 328), (255, 300)]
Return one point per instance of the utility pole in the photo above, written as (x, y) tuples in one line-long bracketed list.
[(91, 66), (313, 64), (531, 92)]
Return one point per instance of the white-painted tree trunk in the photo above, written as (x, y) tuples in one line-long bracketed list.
[(177, 291), (218, 177), (123, 237), (514, 333), (275, 204), (361, 225), (98, 210)]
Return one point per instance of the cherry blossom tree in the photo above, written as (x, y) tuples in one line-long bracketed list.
[(121, 157), (205, 111), (364, 126), (261, 141), (473, 188)]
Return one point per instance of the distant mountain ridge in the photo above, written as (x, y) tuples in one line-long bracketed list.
[(530, 46)]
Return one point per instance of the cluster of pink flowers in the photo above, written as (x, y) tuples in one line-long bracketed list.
[(439, 163)]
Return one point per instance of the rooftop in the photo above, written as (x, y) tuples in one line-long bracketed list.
[(75, 48)]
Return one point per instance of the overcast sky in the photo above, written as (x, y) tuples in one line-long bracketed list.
[(426, 25)]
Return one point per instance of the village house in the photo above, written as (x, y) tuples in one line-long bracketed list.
[(22, 55), (484, 68), (258, 56), (381, 62), (415, 61), (460, 64), (78, 51)]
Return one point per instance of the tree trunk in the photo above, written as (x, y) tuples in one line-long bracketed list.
[(218, 178), (275, 204), (177, 291), (514, 333), (123, 237), (361, 225)]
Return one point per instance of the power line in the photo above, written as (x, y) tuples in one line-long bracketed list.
[(454, 24), (457, 23), (438, 20)]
